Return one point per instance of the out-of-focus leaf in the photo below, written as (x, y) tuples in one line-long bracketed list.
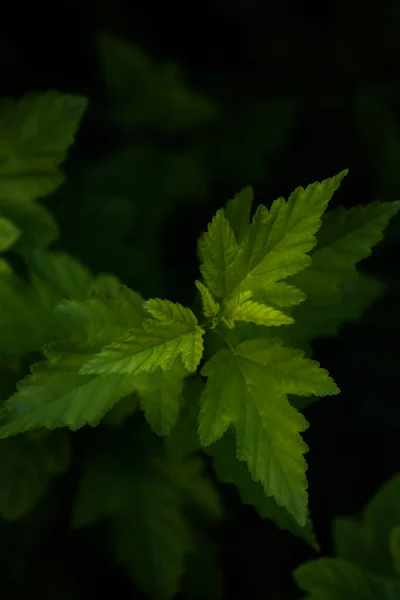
[(26, 465), (9, 233), (146, 93)]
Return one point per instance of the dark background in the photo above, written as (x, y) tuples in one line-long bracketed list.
[(294, 92)]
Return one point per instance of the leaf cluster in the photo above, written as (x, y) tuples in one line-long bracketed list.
[(271, 282)]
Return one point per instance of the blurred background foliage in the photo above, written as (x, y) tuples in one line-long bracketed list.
[(188, 104)]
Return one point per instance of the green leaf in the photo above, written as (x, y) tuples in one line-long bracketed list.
[(35, 134), (109, 305), (160, 394), (56, 276), (150, 536), (346, 237), (217, 251), (336, 292), (146, 93), (237, 212), (278, 241), (381, 515), (210, 306), (145, 500), (275, 247), (25, 324), (367, 543), (56, 394), (352, 299), (9, 234), (183, 439), (247, 387), (27, 320), (173, 332), (230, 470), (26, 466), (336, 579), (353, 542), (188, 477), (240, 308), (36, 224)]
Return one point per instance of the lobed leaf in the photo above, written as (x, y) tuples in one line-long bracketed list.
[(56, 395), (275, 246), (172, 333), (160, 394), (367, 543), (346, 237), (210, 305), (230, 470), (146, 93), (217, 251), (26, 466), (247, 388), (241, 308), (144, 499), (335, 579), (35, 134)]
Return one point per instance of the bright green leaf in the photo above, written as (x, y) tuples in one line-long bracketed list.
[(56, 394), (241, 308), (247, 387), (217, 251), (231, 470), (171, 333), (275, 246), (210, 305), (277, 243)]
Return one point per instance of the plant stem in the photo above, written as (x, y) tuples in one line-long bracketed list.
[(224, 337)]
